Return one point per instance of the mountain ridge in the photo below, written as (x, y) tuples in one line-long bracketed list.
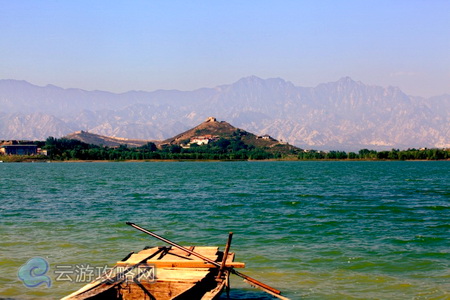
[(101, 140), (344, 114)]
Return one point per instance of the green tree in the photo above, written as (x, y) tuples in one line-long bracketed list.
[(149, 147)]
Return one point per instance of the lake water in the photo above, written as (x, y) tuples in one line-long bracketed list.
[(314, 230)]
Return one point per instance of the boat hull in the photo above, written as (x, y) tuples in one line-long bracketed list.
[(160, 273)]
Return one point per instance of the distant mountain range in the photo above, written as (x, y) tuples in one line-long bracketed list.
[(341, 115)]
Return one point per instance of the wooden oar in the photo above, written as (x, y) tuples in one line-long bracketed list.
[(246, 278)]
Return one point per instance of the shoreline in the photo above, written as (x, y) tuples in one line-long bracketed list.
[(27, 160)]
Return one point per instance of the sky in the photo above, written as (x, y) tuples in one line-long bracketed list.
[(119, 46)]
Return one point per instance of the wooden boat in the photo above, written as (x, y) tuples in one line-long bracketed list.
[(166, 273), (162, 273)]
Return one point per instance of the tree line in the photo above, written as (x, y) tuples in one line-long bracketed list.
[(366, 154), (222, 149)]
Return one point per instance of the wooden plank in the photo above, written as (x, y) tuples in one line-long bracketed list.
[(173, 254), (183, 264), (210, 252), (175, 261), (181, 274)]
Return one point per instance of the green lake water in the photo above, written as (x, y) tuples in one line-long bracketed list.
[(314, 230)]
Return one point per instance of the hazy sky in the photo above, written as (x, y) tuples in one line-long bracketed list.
[(147, 45)]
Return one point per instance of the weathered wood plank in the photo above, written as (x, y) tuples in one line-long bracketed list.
[(210, 252), (183, 264), (173, 255)]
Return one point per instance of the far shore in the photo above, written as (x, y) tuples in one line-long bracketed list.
[(28, 160)]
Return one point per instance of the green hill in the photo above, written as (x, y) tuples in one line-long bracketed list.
[(212, 131)]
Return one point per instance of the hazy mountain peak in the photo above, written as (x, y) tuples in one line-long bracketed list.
[(346, 82), (346, 79), (249, 83), (249, 80)]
